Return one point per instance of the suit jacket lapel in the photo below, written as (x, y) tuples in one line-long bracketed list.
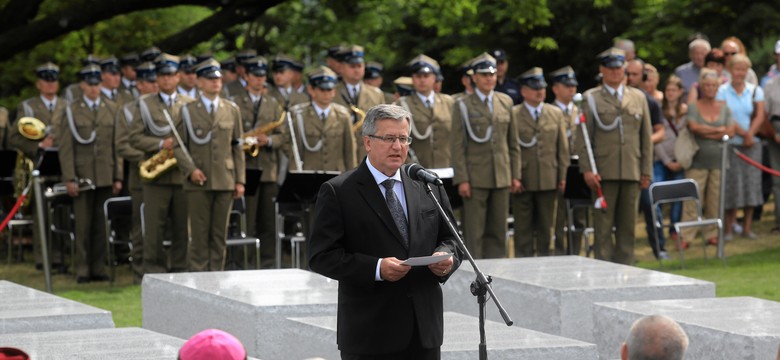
[(369, 190)]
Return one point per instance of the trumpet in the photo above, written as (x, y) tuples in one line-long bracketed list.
[(61, 188), (249, 141), (361, 118), (156, 165), (31, 128)]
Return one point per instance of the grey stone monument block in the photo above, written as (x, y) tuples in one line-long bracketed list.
[(26, 310), (461, 341), (556, 294), (97, 344), (252, 305), (718, 328)]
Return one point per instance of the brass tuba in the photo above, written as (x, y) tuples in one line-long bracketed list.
[(31, 128), (249, 140), (361, 118)]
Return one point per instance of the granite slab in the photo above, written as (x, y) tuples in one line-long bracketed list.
[(26, 310), (252, 305), (96, 344), (718, 328), (556, 294)]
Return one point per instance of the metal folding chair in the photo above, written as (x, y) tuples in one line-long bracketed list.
[(114, 209), (237, 236), (665, 192)]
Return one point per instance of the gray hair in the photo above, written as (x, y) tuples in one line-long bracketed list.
[(656, 337), (383, 112)]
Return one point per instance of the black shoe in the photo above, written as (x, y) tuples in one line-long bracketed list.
[(82, 280), (99, 278)]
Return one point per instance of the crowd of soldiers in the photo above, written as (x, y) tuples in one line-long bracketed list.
[(221, 121)]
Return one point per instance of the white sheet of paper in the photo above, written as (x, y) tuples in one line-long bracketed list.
[(425, 260)]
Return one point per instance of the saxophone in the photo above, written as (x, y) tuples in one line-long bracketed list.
[(249, 140), (358, 125), (156, 165), (22, 176)]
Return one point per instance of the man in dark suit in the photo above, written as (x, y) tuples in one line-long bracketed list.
[(386, 310)]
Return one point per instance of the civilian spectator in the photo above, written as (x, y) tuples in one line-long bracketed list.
[(708, 120), (774, 70), (650, 84), (714, 60), (212, 344), (732, 46), (627, 46), (666, 166), (655, 337), (689, 72), (743, 180), (772, 91)]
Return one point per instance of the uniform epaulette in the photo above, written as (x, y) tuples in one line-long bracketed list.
[(271, 98), (505, 99), (299, 107), (341, 108), (146, 96)]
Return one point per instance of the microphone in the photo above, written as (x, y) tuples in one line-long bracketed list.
[(419, 173)]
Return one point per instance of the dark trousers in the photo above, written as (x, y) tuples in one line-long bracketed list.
[(415, 351)]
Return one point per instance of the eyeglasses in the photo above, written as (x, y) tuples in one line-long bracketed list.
[(730, 53), (390, 139)]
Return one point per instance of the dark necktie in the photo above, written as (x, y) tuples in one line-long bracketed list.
[(487, 103), (51, 107), (94, 107), (212, 111), (536, 114), (323, 116), (429, 106), (396, 210), (113, 94), (566, 111)]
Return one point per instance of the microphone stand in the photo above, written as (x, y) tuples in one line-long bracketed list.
[(479, 287)]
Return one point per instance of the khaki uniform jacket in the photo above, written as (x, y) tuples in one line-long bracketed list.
[(4, 127), (95, 160), (495, 162), (433, 150), (570, 125), (142, 138), (368, 97), (34, 107), (233, 88), (221, 160), (268, 112), (72, 92), (124, 149), (295, 97), (618, 159), (338, 141), (544, 147), (123, 96), (133, 91)]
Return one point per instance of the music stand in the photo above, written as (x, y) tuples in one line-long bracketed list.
[(446, 175), (50, 165), (301, 187), (252, 181), (7, 166)]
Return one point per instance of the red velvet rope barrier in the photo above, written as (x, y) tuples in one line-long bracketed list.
[(756, 164)]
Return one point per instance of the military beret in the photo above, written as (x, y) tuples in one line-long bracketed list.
[(533, 78), (322, 77)]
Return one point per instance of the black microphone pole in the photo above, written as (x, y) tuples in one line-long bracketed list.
[(479, 287)]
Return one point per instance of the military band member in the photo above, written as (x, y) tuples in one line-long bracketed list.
[(73, 92), (146, 83), (165, 203), (111, 81), (564, 87), (545, 150), (375, 76), (504, 83), (323, 129), (42, 107), (332, 59), (150, 54), (486, 160), (352, 92), (258, 111), (128, 64), (237, 87), (283, 68), (431, 116), (187, 78), (87, 129), (229, 74), (215, 172), (439, 82), (618, 122), (403, 87)]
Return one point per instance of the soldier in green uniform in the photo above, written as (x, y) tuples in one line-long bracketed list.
[(431, 116), (42, 107), (466, 81), (150, 54), (618, 122), (187, 78), (213, 166), (542, 139), (229, 74), (259, 111), (375, 77), (111, 79), (86, 129), (486, 160), (353, 93), (283, 68), (332, 60), (128, 63), (165, 203), (73, 92), (564, 87), (146, 82), (237, 87)]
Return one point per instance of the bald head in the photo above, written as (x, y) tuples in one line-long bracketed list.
[(655, 337)]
